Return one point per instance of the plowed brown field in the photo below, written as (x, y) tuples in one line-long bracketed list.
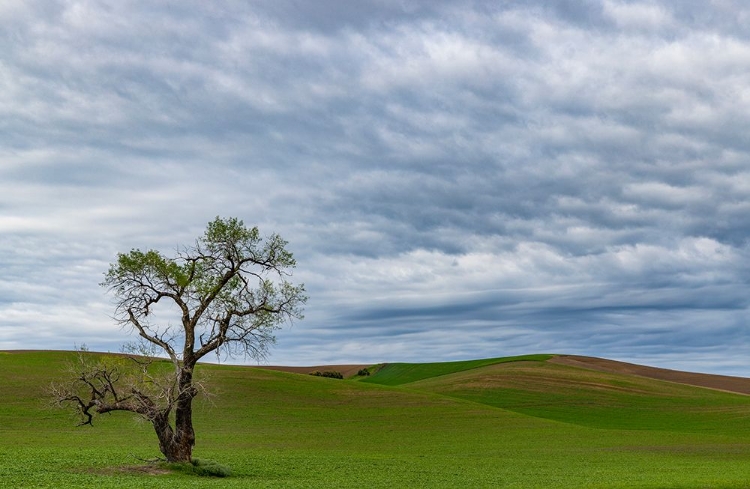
[(739, 385)]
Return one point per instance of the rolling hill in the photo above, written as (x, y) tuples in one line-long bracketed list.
[(518, 422)]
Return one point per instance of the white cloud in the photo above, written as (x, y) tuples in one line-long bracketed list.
[(534, 177), (662, 193), (638, 16)]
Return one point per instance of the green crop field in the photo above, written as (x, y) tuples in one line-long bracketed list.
[(523, 422)]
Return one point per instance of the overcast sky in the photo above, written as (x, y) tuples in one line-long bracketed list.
[(457, 179)]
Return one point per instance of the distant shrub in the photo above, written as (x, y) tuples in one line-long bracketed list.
[(327, 373), (363, 372)]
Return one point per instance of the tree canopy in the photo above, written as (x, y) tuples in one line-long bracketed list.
[(231, 288)]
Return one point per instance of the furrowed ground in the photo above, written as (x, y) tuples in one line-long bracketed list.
[(522, 422)]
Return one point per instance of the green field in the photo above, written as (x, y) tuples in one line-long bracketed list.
[(521, 422)]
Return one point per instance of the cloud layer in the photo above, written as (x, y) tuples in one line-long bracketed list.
[(456, 179)]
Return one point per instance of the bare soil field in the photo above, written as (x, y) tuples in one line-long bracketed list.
[(739, 385)]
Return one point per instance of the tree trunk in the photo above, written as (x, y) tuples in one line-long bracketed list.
[(180, 450), (177, 444)]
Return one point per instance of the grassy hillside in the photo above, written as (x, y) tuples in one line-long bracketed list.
[(515, 424), (404, 373), (596, 399)]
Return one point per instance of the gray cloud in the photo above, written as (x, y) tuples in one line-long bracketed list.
[(456, 179)]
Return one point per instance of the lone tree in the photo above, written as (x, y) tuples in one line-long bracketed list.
[(231, 293)]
